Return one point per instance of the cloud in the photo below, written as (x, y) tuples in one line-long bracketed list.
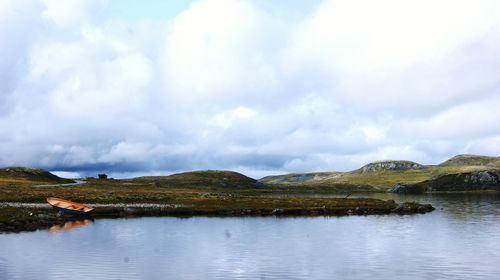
[(71, 13), (246, 85), (214, 47), (407, 54)]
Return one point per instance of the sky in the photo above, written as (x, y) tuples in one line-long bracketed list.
[(261, 87)]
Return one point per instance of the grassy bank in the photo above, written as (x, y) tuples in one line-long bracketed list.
[(209, 199), (16, 219), (227, 193)]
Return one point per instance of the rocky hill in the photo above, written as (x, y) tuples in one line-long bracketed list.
[(391, 165), (460, 173)]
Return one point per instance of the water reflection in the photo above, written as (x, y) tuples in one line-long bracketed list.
[(460, 240), (72, 224), (461, 206)]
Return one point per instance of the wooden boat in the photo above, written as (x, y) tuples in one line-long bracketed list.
[(69, 207)]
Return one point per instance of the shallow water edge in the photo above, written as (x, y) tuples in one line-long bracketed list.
[(17, 217)]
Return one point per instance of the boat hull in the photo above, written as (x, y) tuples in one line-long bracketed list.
[(69, 207), (70, 211)]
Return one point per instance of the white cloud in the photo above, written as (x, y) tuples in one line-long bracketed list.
[(396, 54), (229, 118), (71, 13), (245, 86), (216, 46)]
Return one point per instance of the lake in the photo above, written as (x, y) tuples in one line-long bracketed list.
[(459, 240)]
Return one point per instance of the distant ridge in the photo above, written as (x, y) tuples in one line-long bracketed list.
[(31, 174), (461, 172), (461, 160), (387, 174)]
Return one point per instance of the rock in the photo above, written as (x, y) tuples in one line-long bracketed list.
[(278, 211), (482, 178), (225, 182), (468, 181), (129, 210), (392, 165), (422, 209), (412, 207), (405, 189), (398, 188)]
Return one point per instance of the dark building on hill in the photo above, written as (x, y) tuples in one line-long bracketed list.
[(102, 176)]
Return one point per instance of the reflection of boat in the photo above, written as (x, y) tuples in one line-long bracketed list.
[(69, 207), (70, 225)]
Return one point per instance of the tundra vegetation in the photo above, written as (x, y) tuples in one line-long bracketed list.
[(224, 193)]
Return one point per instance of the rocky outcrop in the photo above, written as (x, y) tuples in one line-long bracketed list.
[(392, 165), (469, 181), (405, 189), (482, 178)]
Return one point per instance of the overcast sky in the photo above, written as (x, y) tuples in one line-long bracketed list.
[(261, 87)]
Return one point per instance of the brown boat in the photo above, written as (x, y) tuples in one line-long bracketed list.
[(69, 207)]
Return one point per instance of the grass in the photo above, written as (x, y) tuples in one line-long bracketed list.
[(221, 192), (381, 180), (472, 160), (214, 178), (16, 176), (209, 197), (126, 191)]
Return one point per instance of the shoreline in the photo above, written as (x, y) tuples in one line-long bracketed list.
[(24, 207), (34, 216)]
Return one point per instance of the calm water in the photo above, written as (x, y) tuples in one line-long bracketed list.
[(459, 241)]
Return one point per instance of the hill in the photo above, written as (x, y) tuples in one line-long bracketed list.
[(391, 165), (385, 175), (375, 176), (26, 176), (472, 160), (202, 178), (460, 173)]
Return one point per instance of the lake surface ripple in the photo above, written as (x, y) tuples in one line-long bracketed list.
[(460, 240)]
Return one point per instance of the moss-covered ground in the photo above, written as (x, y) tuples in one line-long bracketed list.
[(214, 197)]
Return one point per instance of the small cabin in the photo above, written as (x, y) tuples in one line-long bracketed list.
[(102, 176)]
